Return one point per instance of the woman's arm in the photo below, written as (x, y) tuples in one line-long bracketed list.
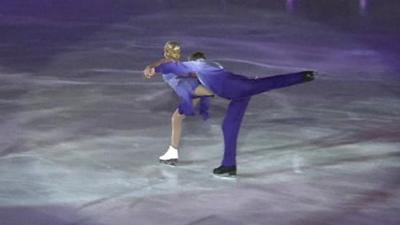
[(149, 71)]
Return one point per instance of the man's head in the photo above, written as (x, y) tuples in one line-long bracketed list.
[(197, 55), (172, 50)]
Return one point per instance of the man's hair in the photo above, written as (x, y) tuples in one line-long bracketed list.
[(197, 55)]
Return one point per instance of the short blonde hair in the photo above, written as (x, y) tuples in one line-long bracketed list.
[(172, 50)]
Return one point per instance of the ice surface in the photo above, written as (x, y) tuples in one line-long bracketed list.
[(81, 129)]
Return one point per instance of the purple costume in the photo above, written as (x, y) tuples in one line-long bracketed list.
[(184, 87), (236, 88)]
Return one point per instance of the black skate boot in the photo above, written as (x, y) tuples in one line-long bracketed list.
[(225, 171), (309, 75)]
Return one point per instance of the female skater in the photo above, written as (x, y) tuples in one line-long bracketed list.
[(192, 96)]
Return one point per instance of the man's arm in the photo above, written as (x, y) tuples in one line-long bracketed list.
[(177, 68), (159, 62)]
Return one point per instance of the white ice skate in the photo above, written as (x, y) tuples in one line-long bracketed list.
[(170, 157)]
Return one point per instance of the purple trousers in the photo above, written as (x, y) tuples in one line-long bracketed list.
[(239, 92)]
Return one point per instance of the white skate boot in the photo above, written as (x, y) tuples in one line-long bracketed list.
[(170, 157)]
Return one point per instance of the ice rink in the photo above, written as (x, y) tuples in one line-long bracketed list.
[(81, 130)]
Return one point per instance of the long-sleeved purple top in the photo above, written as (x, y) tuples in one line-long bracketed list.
[(210, 74), (179, 78)]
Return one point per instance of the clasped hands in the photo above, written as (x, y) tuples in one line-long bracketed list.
[(149, 72)]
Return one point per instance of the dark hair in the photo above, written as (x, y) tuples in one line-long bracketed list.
[(197, 55)]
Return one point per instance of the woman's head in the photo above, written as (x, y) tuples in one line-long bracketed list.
[(172, 50)]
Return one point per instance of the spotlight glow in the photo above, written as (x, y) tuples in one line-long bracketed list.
[(363, 5), (290, 5)]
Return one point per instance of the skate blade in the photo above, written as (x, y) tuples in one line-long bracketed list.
[(169, 162), (225, 176)]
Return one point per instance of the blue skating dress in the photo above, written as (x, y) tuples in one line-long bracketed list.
[(184, 87)]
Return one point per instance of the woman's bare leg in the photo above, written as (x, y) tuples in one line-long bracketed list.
[(202, 91), (176, 126)]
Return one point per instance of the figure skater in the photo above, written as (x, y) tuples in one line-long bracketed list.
[(193, 98)]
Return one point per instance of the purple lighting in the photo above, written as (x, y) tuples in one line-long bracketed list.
[(363, 4), (290, 5)]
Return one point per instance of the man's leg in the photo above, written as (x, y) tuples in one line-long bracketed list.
[(244, 87), (230, 128)]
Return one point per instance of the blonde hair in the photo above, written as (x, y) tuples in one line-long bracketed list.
[(172, 50)]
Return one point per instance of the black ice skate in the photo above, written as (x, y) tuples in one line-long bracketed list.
[(309, 75), (225, 171)]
